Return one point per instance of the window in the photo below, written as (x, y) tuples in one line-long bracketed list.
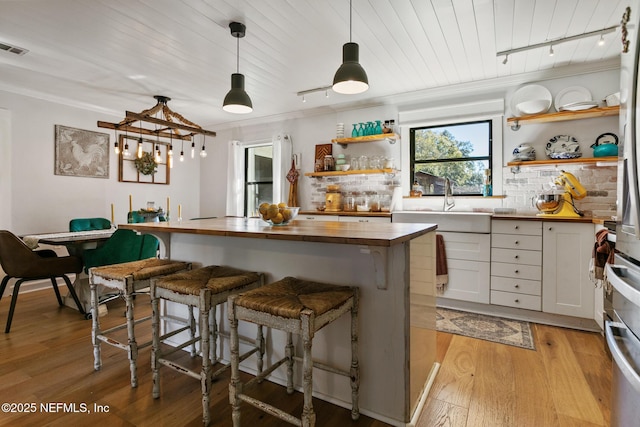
[(460, 152), (258, 177)]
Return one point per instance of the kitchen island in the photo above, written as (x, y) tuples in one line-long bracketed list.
[(392, 264)]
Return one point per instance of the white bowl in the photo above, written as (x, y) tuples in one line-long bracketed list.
[(345, 167), (537, 106)]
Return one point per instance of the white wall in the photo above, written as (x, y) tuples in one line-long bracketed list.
[(5, 169), (40, 201)]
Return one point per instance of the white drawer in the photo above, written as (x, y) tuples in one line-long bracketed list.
[(516, 256), (363, 219), (517, 271), (529, 302), (514, 241), (519, 286), (532, 228), (467, 246), (317, 217)]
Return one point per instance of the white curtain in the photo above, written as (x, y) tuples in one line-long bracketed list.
[(235, 184)]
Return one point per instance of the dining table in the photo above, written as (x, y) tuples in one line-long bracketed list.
[(75, 243)]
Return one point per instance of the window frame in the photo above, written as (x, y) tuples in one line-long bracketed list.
[(248, 183), (489, 158)]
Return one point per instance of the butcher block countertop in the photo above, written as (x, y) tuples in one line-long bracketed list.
[(344, 213), (584, 219), (353, 233)]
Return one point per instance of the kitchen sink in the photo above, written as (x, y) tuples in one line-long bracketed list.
[(461, 222)]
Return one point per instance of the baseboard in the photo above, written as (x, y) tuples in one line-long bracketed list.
[(562, 321)]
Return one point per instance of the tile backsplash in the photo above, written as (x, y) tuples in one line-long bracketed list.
[(599, 181), (363, 183), (519, 187)]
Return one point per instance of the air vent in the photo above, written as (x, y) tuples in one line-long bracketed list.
[(12, 49)]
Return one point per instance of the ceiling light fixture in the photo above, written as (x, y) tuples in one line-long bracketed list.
[(171, 123), (556, 42), (350, 77), (237, 101), (324, 89), (551, 52), (506, 59), (601, 41)]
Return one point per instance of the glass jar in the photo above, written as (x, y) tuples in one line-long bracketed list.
[(355, 165), (374, 203), (385, 202), (349, 203), (362, 203), (329, 164), (363, 163)]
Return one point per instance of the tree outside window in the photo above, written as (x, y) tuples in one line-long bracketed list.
[(460, 152)]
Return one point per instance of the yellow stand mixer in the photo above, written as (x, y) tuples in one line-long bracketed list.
[(560, 205)]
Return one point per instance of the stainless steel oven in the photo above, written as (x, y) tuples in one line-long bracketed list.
[(623, 343)]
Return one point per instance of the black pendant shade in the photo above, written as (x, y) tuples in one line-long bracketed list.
[(350, 77), (237, 100)]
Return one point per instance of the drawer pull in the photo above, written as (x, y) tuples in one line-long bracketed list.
[(517, 242), (517, 271), (517, 227), (550, 228), (516, 257), (516, 286), (517, 300)]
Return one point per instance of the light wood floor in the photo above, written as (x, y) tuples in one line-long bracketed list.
[(47, 358)]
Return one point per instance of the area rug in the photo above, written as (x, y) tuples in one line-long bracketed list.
[(484, 327)]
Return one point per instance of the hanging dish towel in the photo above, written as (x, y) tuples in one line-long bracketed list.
[(442, 271), (603, 253)]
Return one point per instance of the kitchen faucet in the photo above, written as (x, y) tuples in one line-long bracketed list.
[(449, 203)]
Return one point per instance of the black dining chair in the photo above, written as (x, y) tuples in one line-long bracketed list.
[(20, 262)]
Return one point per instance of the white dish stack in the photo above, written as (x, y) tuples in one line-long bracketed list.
[(340, 130)]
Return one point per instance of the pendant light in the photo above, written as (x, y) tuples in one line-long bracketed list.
[(237, 101), (350, 77)]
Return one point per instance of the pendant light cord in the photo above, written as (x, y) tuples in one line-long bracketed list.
[(238, 55), (350, 20)]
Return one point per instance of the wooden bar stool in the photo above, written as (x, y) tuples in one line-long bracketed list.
[(128, 279), (297, 307), (203, 288)]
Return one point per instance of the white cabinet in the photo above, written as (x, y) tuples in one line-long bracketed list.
[(566, 287), (468, 263), (516, 264)]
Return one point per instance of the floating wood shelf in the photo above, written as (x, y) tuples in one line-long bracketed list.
[(349, 172), (565, 161), (561, 116), (391, 137)]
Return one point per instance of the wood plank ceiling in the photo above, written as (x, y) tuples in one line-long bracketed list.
[(114, 55)]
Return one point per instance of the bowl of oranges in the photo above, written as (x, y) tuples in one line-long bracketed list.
[(277, 214)]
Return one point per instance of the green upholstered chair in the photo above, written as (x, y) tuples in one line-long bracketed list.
[(134, 217), (122, 246), (88, 224), (20, 262)]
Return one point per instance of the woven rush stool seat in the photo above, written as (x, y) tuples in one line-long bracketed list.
[(298, 307), (127, 279), (204, 288)]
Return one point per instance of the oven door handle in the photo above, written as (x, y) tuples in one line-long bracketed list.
[(615, 273), (617, 333)]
